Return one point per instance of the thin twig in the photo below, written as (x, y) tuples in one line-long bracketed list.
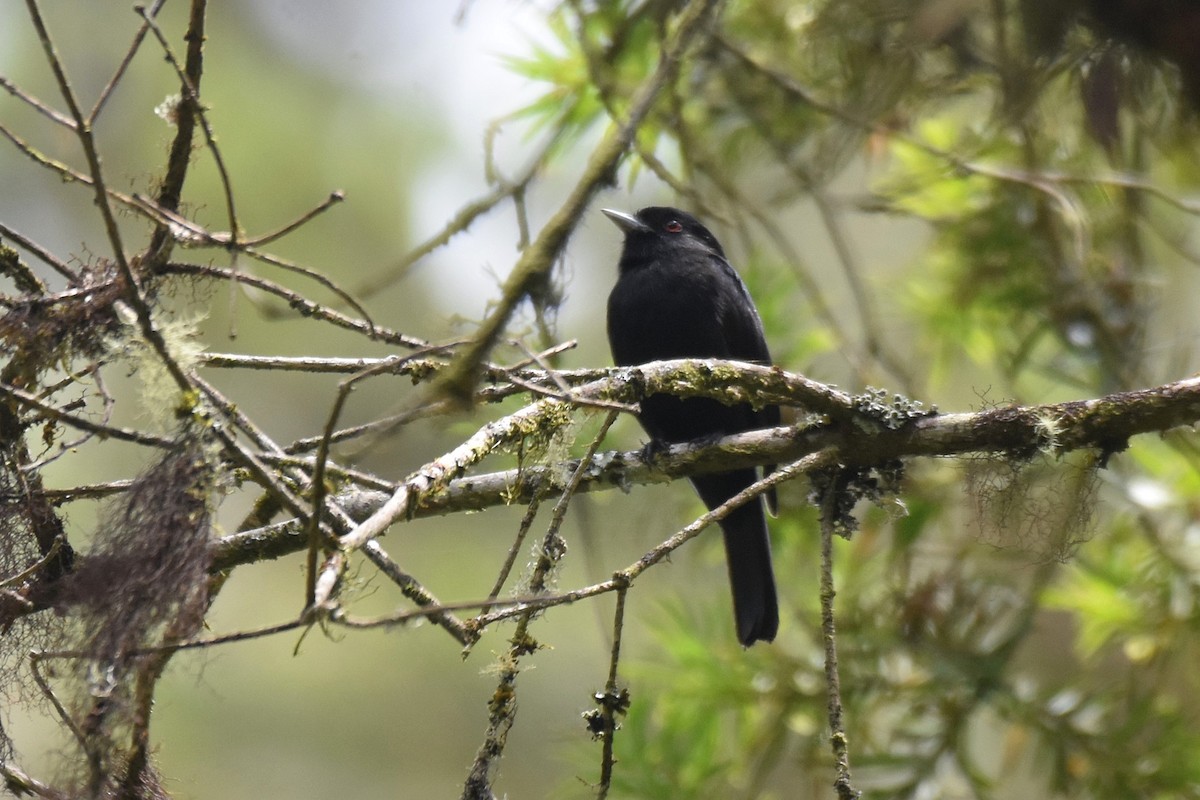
[(313, 275), (35, 567), (52, 114), (339, 521), (36, 156), (585, 463), (20, 783), (429, 606), (41, 252), (429, 478), (567, 396), (565, 392), (457, 224), (612, 702), (340, 617), (83, 423), (189, 106), (69, 446), (313, 364), (71, 175), (419, 368), (87, 491), (837, 731), (381, 427), (246, 457), (518, 543), (544, 363), (329, 202), (625, 577), (302, 305), (317, 480), (35, 662), (334, 470), (107, 91), (191, 644), (170, 192)]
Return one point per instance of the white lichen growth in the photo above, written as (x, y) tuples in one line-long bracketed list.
[(168, 109), (159, 394), (1047, 429)]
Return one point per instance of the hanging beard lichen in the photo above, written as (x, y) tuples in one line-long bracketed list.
[(143, 585), (1045, 507)]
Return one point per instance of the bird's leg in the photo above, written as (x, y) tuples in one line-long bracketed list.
[(707, 439), (653, 449)]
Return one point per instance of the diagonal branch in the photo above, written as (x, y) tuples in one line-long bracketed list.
[(171, 192), (535, 263)]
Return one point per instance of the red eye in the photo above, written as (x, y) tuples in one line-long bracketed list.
[(673, 227)]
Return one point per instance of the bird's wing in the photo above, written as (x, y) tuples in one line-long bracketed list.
[(743, 331), (740, 323)]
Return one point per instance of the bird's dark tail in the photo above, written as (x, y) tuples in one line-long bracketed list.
[(748, 554)]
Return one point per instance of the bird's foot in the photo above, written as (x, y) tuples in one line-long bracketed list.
[(653, 449), (708, 439)]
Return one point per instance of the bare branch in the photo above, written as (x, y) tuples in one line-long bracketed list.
[(178, 160), (833, 686), (300, 304), (329, 202), (50, 113), (108, 89), (24, 398)]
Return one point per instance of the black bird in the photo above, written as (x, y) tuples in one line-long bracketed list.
[(677, 297)]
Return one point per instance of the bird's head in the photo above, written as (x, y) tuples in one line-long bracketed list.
[(657, 228)]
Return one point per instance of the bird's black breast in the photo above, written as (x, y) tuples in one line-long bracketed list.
[(684, 307), (660, 311)]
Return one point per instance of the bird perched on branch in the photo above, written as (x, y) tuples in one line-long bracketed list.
[(677, 296)]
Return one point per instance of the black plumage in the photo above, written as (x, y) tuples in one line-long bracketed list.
[(677, 296)]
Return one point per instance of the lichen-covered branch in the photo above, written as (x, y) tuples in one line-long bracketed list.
[(862, 435)]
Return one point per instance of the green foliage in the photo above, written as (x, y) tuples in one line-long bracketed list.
[(689, 742), (589, 69)]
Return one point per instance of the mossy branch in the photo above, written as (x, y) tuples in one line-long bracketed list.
[(859, 433)]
